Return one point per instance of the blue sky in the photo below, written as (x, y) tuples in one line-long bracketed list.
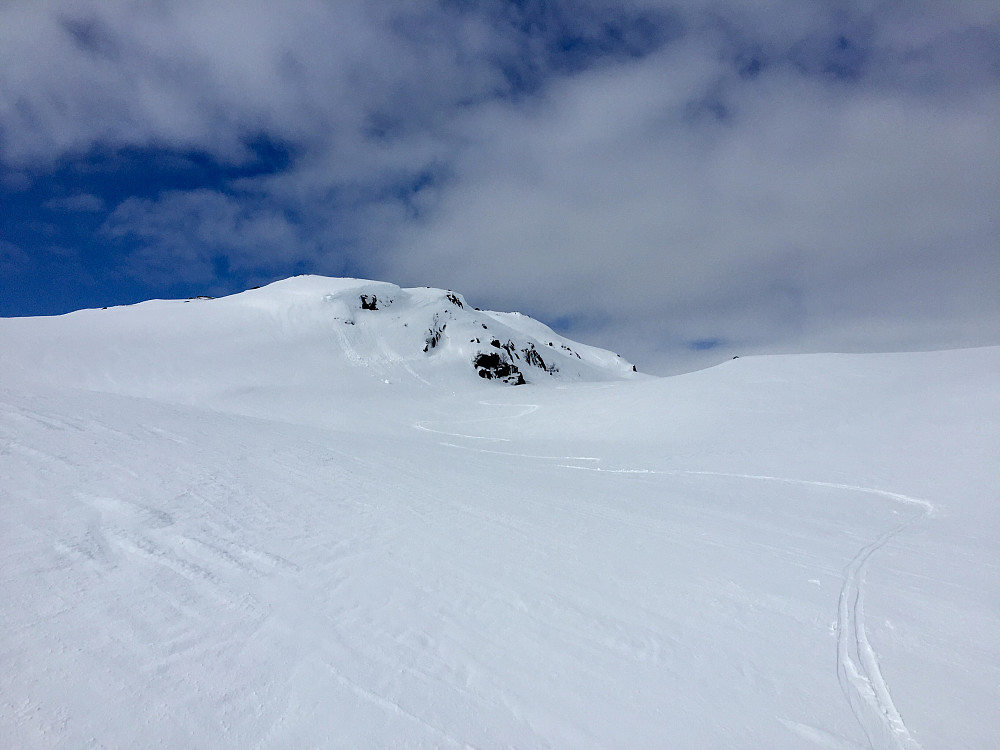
[(679, 182)]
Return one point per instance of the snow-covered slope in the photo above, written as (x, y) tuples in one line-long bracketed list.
[(224, 529)]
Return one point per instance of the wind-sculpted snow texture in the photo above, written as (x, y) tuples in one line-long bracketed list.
[(273, 520)]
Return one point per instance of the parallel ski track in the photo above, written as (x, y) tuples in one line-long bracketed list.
[(858, 670)]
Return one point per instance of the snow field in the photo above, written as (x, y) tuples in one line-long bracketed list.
[(277, 548)]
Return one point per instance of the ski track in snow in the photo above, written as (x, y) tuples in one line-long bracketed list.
[(525, 455), (528, 409), (858, 670)]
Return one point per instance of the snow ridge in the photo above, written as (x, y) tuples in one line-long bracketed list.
[(310, 330)]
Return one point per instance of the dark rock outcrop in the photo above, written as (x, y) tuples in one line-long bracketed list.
[(434, 334), (494, 366)]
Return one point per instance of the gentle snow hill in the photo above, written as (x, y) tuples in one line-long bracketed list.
[(273, 520), (309, 331)]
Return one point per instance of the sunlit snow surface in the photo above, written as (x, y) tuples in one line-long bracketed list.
[(247, 523)]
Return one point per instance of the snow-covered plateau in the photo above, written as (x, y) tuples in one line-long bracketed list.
[(319, 514)]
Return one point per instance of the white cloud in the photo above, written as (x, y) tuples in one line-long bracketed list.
[(209, 75), (799, 215), (774, 175)]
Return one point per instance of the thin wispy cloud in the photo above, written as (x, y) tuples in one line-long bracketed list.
[(787, 175), (196, 235), (85, 202)]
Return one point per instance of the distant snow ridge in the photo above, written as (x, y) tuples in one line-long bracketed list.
[(327, 335)]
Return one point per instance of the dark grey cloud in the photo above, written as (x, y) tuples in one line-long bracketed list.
[(678, 180)]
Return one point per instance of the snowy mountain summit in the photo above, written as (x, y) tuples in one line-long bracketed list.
[(307, 331), (380, 324), (425, 329)]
